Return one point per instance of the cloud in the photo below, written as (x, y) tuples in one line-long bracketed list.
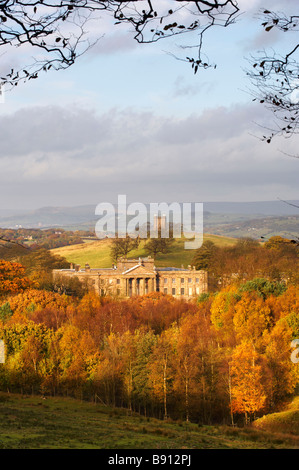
[(272, 5), (58, 156), (113, 43), (183, 88), (262, 40), (50, 129)]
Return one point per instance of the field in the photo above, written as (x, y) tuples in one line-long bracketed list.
[(97, 253), (29, 422)]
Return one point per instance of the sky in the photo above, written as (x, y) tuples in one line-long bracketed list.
[(131, 119)]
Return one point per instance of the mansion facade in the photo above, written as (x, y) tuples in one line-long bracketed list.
[(130, 277)]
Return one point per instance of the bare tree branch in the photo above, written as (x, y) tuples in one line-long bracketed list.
[(56, 29), (276, 78)]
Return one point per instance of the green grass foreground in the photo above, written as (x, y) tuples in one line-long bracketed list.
[(28, 422)]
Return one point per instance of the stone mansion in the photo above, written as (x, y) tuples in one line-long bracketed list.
[(130, 277)]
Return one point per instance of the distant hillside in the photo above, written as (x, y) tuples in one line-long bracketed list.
[(287, 227), (268, 208), (233, 219), (47, 217)]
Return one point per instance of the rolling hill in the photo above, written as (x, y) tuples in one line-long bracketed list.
[(97, 253)]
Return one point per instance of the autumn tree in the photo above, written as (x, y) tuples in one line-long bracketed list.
[(39, 264), (277, 243), (77, 347), (145, 343), (247, 389), (282, 377), (13, 278), (27, 351), (222, 315), (195, 374), (252, 318), (33, 300), (161, 367), (31, 356), (110, 371), (128, 345)]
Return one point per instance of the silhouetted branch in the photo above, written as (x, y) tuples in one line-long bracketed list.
[(276, 78), (56, 28)]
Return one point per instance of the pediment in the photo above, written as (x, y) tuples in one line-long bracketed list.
[(140, 270)]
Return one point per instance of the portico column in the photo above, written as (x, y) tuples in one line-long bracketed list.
[(123, 287), (150, 285), (142, 286), (134, 286)]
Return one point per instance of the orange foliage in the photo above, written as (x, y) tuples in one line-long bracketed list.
[(248, 391), (12, 278), (33, 299), (252, 317)]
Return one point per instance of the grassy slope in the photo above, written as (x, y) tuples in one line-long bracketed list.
[(96, 253), (286, 421), (31, 423)]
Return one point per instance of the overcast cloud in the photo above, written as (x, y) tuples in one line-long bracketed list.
[(209, 156)]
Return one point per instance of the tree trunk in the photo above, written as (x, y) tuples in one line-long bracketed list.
[(165, 389), (230, 395)]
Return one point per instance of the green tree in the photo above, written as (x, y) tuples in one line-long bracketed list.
[(154, 246), (121, 247), (5, 312), (263, 287), (203, 255)]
